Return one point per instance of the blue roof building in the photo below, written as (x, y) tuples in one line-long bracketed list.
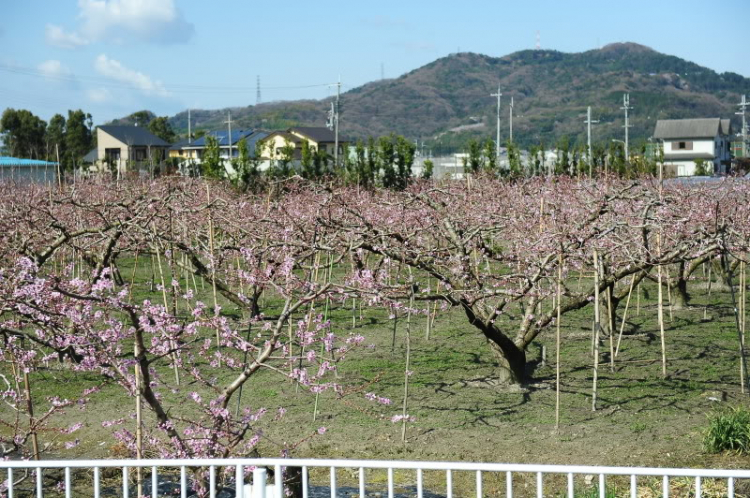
[(27, 170)]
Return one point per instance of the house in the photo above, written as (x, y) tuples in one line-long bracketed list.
[(123, 145), (319, 138), (687, 141), (196, 148)]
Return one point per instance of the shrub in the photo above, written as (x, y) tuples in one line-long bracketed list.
[(728, 431)]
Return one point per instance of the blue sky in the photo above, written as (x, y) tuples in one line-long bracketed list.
[(113, 57)]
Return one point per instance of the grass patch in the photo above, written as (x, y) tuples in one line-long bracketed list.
[(728, 431)]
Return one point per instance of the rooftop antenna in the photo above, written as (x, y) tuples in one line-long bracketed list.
[(743, 105), (538, 41), (497, 141), (626, 107), (589, 122), (257, 91)]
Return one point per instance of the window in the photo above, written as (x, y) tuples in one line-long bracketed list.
[(682, 145)]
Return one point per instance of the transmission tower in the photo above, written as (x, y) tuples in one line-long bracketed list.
[(743, 105), (626, 107), (257, 91)]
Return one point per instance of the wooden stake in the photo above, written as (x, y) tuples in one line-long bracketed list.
[(597, 326), (132, 277), (708, 297), (166, 305), (138, 424), (407, 373), (611, 327), (30, 408), (213, 267), (557, 340), (660, 311), (625, 315)]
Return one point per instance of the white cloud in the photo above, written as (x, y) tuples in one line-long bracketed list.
[(116, 71), (53, 69), (98, 95), (140, 20), (58, 37)]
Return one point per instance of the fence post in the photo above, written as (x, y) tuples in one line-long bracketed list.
[(259, 483)]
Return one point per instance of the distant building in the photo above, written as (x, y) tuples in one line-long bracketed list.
[(319, 138), (689, 140), (27, 170), (194, 149), (120, 146)]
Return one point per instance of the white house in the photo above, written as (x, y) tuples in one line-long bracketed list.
[(689, 140)]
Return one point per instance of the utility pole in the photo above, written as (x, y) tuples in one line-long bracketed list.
[(229, 137), (497, 141), (626, 107), (589, 122), (743, 105), (336, 125), (190, 132), (511, 120), (382, 71), (257, 91)]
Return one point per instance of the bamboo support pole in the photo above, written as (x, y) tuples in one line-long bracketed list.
[(132, 277), (557, 340), (611, 327), (213, 267), (624, 316), (166, 306), (597, 326), (660, 318), (407, 373)]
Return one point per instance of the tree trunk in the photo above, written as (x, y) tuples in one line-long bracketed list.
[(680, 298), (511, 364)]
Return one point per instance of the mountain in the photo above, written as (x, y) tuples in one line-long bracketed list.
[(448, 100)]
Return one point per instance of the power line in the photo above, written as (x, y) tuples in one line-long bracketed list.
[(171, 87)]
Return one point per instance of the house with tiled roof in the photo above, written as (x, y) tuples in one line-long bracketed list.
[(120, 146), (690, 141), (195, 148), (318, 138)]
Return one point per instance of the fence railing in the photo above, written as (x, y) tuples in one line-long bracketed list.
[(260, 478)]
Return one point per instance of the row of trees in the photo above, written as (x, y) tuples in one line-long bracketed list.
[(513, 257), (27, 135), (69, 139), (571, 160), (386, 161)]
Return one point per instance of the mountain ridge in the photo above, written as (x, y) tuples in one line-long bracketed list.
[(550, 89)]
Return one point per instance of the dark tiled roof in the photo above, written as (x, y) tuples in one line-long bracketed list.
[(92, 156), (690, 128), (134, 135), (317, 133)]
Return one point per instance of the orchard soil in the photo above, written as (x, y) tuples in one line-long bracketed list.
[(462, 414)]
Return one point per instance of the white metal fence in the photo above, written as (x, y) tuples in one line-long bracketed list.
[(219, 477)]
